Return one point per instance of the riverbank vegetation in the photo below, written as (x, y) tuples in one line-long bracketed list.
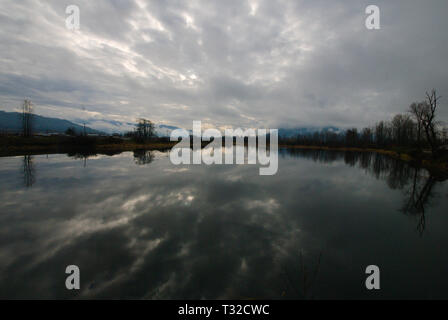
[(416, 135)]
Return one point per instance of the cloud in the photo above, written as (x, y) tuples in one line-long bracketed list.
[(239, 63)]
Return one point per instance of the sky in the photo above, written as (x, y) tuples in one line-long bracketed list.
[(233, 63)]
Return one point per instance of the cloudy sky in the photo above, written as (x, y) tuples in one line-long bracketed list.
[(255, 63)]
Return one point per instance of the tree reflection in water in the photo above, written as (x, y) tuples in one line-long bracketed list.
[(143, 157), (85, 154), (82, 155), (29, 176), (416, 183), (419, 194)]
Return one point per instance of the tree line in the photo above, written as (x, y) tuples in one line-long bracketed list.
[(418, 128)]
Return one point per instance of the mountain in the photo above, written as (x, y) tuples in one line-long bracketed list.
[(114, 126), (108, 126), (289, 133), (11, 122)]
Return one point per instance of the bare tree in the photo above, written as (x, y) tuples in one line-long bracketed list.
[(27, 118), (402, 129), (424, 114), (380, 133), (144, 130), (351, 137), (429, 121), (417, 110), (367, 136)]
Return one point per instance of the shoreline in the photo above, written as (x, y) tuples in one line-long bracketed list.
[(435, 166)]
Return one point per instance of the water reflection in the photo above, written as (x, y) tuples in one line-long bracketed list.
[(417, 184), (86, 153), (419, 194), (83, 156), (29, 175), (301, 283), (143, 157), (159, 231)]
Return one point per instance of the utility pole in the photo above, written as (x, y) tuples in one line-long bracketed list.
[(84, 123), (27, 118)]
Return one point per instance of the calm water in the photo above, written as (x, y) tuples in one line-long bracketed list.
[(139, 227)]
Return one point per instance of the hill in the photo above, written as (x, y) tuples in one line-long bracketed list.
[(11, 122)]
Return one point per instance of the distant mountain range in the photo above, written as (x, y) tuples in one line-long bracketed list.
[(114, 126), (289, 133), (10, 121)]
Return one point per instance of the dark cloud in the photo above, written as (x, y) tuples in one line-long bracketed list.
[(240, 63)]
